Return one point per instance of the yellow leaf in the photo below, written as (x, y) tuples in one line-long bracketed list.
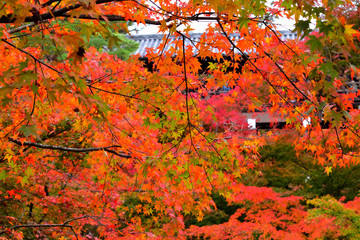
[(328, 170), (77, 125), (350, 32), (9, 154), (200, 216)]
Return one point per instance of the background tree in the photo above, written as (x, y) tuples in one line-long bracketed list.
[(96, 147)]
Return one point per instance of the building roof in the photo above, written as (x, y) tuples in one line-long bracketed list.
[(154, 40)]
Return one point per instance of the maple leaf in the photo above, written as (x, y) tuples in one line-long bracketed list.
[(328, 170), (90, 139)]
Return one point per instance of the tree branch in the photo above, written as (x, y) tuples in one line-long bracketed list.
[(32, 56), (48, 3), (64, 224), (11, 18), (114, 18), (64, 12), (18, 29), (41, 226), (69, 149)]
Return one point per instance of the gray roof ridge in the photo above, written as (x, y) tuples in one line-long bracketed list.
[(153, 40)]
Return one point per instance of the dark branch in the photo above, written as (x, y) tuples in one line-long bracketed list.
[(48, 3), (114, 18), (123, 95), (32, 56), (40, 226), (64, 12), (68, 149), (64, 224), (11, 18)]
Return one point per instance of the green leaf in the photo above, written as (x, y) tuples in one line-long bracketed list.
[(328, 69), (24, 180), (29, 172), (303, 28), (29, 130), (3, 175), (24, 64), (337, 118), (81, 84), (29, 76), (147, 122), (7, 89), (325, 27), (310, 110), (314, 43), (322, 105), (346, 114), (35, 89), (243, 21)]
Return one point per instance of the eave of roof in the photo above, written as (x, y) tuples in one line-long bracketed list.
[(154, 40)]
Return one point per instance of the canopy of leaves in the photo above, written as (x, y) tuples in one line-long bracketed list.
[(96, 147)]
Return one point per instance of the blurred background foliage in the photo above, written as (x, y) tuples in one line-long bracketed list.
[(105, 38)]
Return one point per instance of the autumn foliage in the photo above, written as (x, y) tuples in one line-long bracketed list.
[(96, 147)]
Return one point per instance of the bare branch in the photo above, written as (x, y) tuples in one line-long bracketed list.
[(64, 12), (40, 225), (10, 18), (69, 149), (64, 224), (18, 29), (115, 18)]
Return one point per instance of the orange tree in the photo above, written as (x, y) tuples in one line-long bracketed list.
[(96, 147)]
